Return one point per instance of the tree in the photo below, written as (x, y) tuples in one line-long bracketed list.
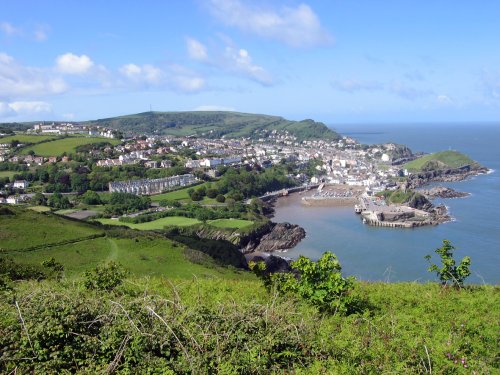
[(91, 197), (320, 283), (449, 272), (39, 200), (220, 198)]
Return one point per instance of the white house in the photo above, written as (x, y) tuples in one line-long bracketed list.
[(20, 184)]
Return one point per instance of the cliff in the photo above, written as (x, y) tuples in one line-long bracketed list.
[(267, 237)]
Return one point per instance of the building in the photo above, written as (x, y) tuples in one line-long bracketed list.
[(20, 184), (151, 186)]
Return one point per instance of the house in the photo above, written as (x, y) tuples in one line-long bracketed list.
[(20, 184)]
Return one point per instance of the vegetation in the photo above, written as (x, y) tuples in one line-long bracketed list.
[(26, 138), (440, 160), (159, 325), (65, 145), (319, 283), (70, 308), (215, 125), (155, 224), (398, 196), (25, 229), (121, 203), (449, 272), (231, 223)]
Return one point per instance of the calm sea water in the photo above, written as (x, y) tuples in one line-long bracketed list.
[(372, 253)]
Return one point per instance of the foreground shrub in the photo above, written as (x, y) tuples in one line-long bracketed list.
[(320, 283), (106, 277), (449, 272)]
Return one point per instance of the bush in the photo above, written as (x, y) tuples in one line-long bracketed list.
[(106, 277), (319, 283), (220, 198), (449, 272)]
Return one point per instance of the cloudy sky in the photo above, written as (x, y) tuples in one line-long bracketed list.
[(336, 61)]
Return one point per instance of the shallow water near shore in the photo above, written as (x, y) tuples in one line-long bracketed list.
[(389, 254)]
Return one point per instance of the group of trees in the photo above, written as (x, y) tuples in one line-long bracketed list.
[(122, 203)]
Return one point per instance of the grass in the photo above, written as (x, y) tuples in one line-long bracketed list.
[(142, 256), (65, 145), (450, 159), (232, 326), (26, 138), (178, 221), (27, 228), (231, 223), (178, 195), (8, 174), (39, 208)]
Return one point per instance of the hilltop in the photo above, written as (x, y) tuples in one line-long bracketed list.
[(215, 124), (440, 161)]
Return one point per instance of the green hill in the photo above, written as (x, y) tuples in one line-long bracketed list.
[(440, 160), (215, 125), (30, 237)]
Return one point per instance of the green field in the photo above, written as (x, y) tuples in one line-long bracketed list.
[(8, 174), (178, 221), (177, 195), (142, 257), (27, 138), (65, 145), (449, 159), (27, 228), (231, 223)]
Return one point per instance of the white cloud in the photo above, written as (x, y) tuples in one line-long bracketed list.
[(211, 108), (19, 81), (5, 110), (30, 107), (146, 73), (175, 77), (41, 33), (196, 50), (240, 61), (297, 27), (70, 63), (444, 99), (24, 108), (9, 29)]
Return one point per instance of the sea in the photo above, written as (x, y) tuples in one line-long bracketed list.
[(396, 254)]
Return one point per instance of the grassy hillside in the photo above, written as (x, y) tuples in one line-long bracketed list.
[(21, 229), (203, 326), (27, 138), (155, 224), (440, 160), (65, 145), (29, 237), (214, 125)]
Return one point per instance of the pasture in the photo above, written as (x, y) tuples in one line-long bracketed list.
[(65, 145)]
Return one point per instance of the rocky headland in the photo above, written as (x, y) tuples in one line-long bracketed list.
[(445, 175), (442, 192)]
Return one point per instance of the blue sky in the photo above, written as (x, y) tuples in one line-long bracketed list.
[(335, 61)]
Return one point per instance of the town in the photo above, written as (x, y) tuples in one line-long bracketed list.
[(342, 162)]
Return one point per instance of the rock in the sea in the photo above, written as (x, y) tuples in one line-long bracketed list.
[(443, 192), (283, 236)]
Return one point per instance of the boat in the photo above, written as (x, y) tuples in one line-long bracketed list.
[(357, 209)]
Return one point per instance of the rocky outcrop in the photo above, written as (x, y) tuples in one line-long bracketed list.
[(267, 237), (443, 192), (445, 175), (282, 236)]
